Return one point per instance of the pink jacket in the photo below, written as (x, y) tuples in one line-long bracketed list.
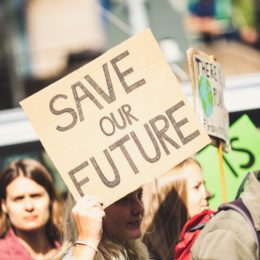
[(11, 248)]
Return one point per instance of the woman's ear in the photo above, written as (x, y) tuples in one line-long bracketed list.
[(3, 206)]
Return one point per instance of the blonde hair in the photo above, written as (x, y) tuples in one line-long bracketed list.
[(107, 249), (165, 201)]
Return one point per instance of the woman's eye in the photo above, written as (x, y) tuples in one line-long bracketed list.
[(36, 195), (17, 199), (196, 187), (124, 200), (140, 195)]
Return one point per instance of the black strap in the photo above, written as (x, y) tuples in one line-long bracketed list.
[(197, 227), (242, 185), (240, 207)]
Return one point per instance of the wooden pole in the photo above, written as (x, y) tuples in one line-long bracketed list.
[(222, 174)]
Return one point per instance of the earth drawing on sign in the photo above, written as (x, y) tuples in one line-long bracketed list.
[(206, 95)]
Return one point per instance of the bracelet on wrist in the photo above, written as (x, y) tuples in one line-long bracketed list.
[(86, 243)]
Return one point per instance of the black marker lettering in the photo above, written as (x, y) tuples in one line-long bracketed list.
[(161, 133), (69, 110), (104, 129), (126, 110), (141, 149), (117, 125), (108, 183), (120, 144), (79, 99), (108, 98), (122, 75), (82, 182), (179, 124)]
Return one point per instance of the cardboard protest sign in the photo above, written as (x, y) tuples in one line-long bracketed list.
[(243, 157), (208, 86), (116, 122)]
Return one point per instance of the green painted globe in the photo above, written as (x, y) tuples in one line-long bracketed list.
[(206, 95)]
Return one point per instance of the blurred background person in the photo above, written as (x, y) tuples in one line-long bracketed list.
[(224, 19), (169, 202), (31, 217), (246, 19), (210, 19)]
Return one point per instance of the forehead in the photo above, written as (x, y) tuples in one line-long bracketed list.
[(23, 185), (134, 193), (131, 194), (193, 172)]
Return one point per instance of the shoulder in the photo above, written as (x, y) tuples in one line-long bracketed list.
[(8, 240), (250, 197), (226, 233), (10, 248), (3, 244), (6, 244)]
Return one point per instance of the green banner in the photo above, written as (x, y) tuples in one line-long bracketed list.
[(244, 157)]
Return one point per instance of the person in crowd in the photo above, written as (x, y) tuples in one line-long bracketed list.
[(169, 202), (92, 232), (228, 235), (246, 19), (209, 19), (31, 218), (236, 20)]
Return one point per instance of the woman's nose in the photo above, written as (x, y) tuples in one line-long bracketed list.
[(138, 208), (28, 204), (208, 194), (205, 192)]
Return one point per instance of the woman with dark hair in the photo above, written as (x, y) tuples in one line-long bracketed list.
[(31, 217)]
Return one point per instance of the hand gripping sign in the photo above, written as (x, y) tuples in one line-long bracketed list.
[(117, 122)]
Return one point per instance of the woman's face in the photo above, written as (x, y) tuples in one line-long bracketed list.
[(123, 218), (27, 204), (197, 194)]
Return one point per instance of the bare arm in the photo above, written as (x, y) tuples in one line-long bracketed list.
[(88, 215)]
